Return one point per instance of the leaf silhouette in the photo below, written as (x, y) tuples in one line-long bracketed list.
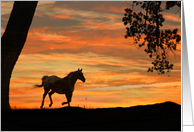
[(159, 41)]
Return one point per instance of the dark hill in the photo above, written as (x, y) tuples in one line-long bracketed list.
[(158, 117)]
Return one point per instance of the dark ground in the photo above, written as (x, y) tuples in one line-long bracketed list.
[(158, 117)]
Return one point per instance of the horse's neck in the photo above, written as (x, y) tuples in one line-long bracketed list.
[(73, 79)]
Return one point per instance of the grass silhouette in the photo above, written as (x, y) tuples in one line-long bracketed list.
[(158, 117)]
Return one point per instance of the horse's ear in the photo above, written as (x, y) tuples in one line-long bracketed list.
[(81, 70), (78, 69)]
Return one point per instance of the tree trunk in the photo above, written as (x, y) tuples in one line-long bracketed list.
[(12, 43)]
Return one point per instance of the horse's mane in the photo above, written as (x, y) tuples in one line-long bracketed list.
[(69, 75)]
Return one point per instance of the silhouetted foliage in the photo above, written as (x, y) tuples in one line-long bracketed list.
[(148, 25), (170, 4)]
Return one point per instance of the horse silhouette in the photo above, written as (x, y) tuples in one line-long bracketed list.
[(60, 85)]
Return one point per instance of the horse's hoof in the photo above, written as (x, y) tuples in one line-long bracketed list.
[(64, 103), (41, 107), (50, 105)]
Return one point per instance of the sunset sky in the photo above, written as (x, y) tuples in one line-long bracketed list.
[(65, 36)]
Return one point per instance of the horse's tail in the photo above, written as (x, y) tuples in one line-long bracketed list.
[(38, 85), (43, 78)]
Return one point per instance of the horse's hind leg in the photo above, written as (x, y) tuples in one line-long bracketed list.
[(50, 93), (68, 96), (44, 95)]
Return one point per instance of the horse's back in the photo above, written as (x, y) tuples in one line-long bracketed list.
[(49, 80), (44, 77), (62, 86)]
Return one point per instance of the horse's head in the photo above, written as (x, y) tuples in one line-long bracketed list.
[(80, 75)]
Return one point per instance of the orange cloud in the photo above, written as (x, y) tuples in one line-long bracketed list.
[(108, 25), (47, 40), (113, 9), (63, 16), (172, 17), (46, 2), (45, 35)]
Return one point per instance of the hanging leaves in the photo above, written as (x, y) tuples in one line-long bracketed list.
[(158, 41)]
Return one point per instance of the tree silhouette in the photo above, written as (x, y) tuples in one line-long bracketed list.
[(12, 43), (148, 25)]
